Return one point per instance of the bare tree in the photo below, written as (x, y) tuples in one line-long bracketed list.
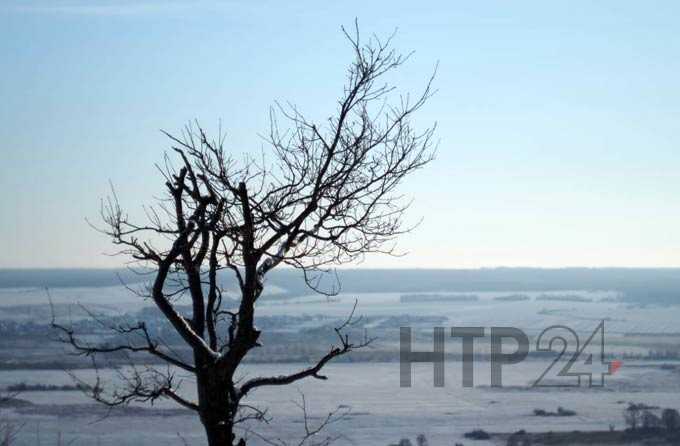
[(328, 197), (312, 430), (633, 415)]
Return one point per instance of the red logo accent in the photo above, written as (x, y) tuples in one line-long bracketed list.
[(614, 366)]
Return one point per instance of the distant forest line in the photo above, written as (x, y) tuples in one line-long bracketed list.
[(645, 285)]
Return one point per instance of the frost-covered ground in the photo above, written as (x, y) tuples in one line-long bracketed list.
[(380, 411)]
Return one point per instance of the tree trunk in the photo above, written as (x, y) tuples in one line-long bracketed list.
[(221, 433), (216, 408)]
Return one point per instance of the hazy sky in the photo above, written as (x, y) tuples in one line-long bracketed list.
[(559, 122)]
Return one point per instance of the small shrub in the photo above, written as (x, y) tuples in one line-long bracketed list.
[(561, 412), (519, 438), (477, 434)]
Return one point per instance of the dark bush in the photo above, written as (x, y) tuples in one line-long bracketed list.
[(477, 434), (561, 412)]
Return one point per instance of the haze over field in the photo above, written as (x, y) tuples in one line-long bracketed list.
[(641, 330)]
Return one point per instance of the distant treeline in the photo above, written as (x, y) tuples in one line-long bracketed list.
[(411, 298), (512, 298), (564, 298), (642, 285), (515, 280), (24, 387)]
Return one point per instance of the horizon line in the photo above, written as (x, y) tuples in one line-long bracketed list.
[(356, 268)]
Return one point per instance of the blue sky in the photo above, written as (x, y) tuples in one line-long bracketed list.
[(559, 122)]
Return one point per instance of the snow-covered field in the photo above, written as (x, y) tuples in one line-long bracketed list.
[(380, 411)]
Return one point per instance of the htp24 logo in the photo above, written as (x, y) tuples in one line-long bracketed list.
[(576, 363)]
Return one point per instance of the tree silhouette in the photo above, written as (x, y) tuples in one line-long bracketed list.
[(329, 197)]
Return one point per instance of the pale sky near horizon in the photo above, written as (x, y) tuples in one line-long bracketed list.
[(558, 122)]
